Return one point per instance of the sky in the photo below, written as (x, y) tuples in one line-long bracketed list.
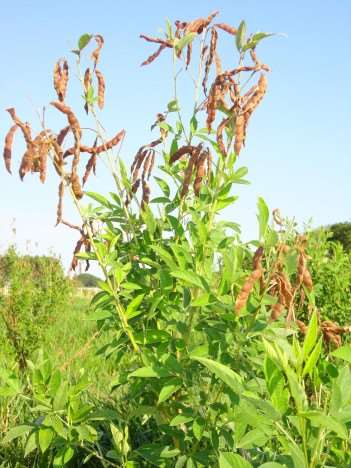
[(298, 145)]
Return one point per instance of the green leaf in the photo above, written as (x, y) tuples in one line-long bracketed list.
[(133, 309), (193, 124), (263, 217), (180, 419), (232, 460), (148, 371), (16, 432), (184, 41), (163, 186), (255, 39), (31, 443), (84, 41), (272, 465), (173, 106), (320, 419), (165, 256), (99, 314), (313, 359), (199, 427), (189, 277), (152, 336), (61, 397), (311, 336), (224, 373), (171, 387), (254, 438), (344, 352), (240, 38), (222, 203), (64, 455), (46, 436), (99, 198)]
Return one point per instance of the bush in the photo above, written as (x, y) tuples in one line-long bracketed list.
[(34, 290)]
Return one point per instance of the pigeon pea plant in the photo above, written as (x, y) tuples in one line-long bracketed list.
[(213, 365)]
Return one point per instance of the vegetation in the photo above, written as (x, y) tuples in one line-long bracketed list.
[(207, 351), (87, 280)]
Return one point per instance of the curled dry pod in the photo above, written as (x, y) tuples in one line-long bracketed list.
[(27, 164), (154, 56), (302, 327), (219, 136), (62, 134), (64, 80), (43, 158), (57, 78), (239, 134), (199, 24), (77, 249), (95, 56), (8, 147), (101, 88), (187, 177)]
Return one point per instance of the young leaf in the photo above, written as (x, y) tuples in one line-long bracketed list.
[(311, 336), (84, 41), (171, 387), (263, 217), (16, 432), (184, 41), (180, 419), (240, 38)]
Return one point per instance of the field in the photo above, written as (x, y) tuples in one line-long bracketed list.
[(199, 348)]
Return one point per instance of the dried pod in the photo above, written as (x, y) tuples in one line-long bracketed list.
[(43, 157), (62, 134), (239, 134), (98, 149), (227, 28), (146, 194), (277, 310), (154, 56), (60, 78), (200, 172), (198, 25), (188, 55), (219, 135), (59, 212), (76, 187), (91, 165), (64, 79), (27, 164), (101, 88), (8, 147), (187, 177), (187, 149), (210, 56), (277, 217), (87, 79), (95, 56), (307, 280), (243, 295)]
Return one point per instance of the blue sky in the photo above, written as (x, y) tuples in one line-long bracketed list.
[(298, 146)]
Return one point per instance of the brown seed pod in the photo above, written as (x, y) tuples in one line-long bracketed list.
[(154, 56), (187, 149), (27, 134), (218, 63), (76, 130), (64, 79), (239, 134), (99, 149), (199, 24), (243, 295), (27, 164), (187, 177), (90, 166), (200, 172), (257, 258), (76, 187), (62, 134), (87, 85), (277, 217), (302, 326), (8, 147), (58, 158), (57, 78), (188, 55), (101, 88), (59, 212), (227, 28), (307, 280), (210, 56), (95, 56), (219, 135), (137, 163), (87, 79), (77, 249), (146, 194), (43, 158), (276, 311)]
